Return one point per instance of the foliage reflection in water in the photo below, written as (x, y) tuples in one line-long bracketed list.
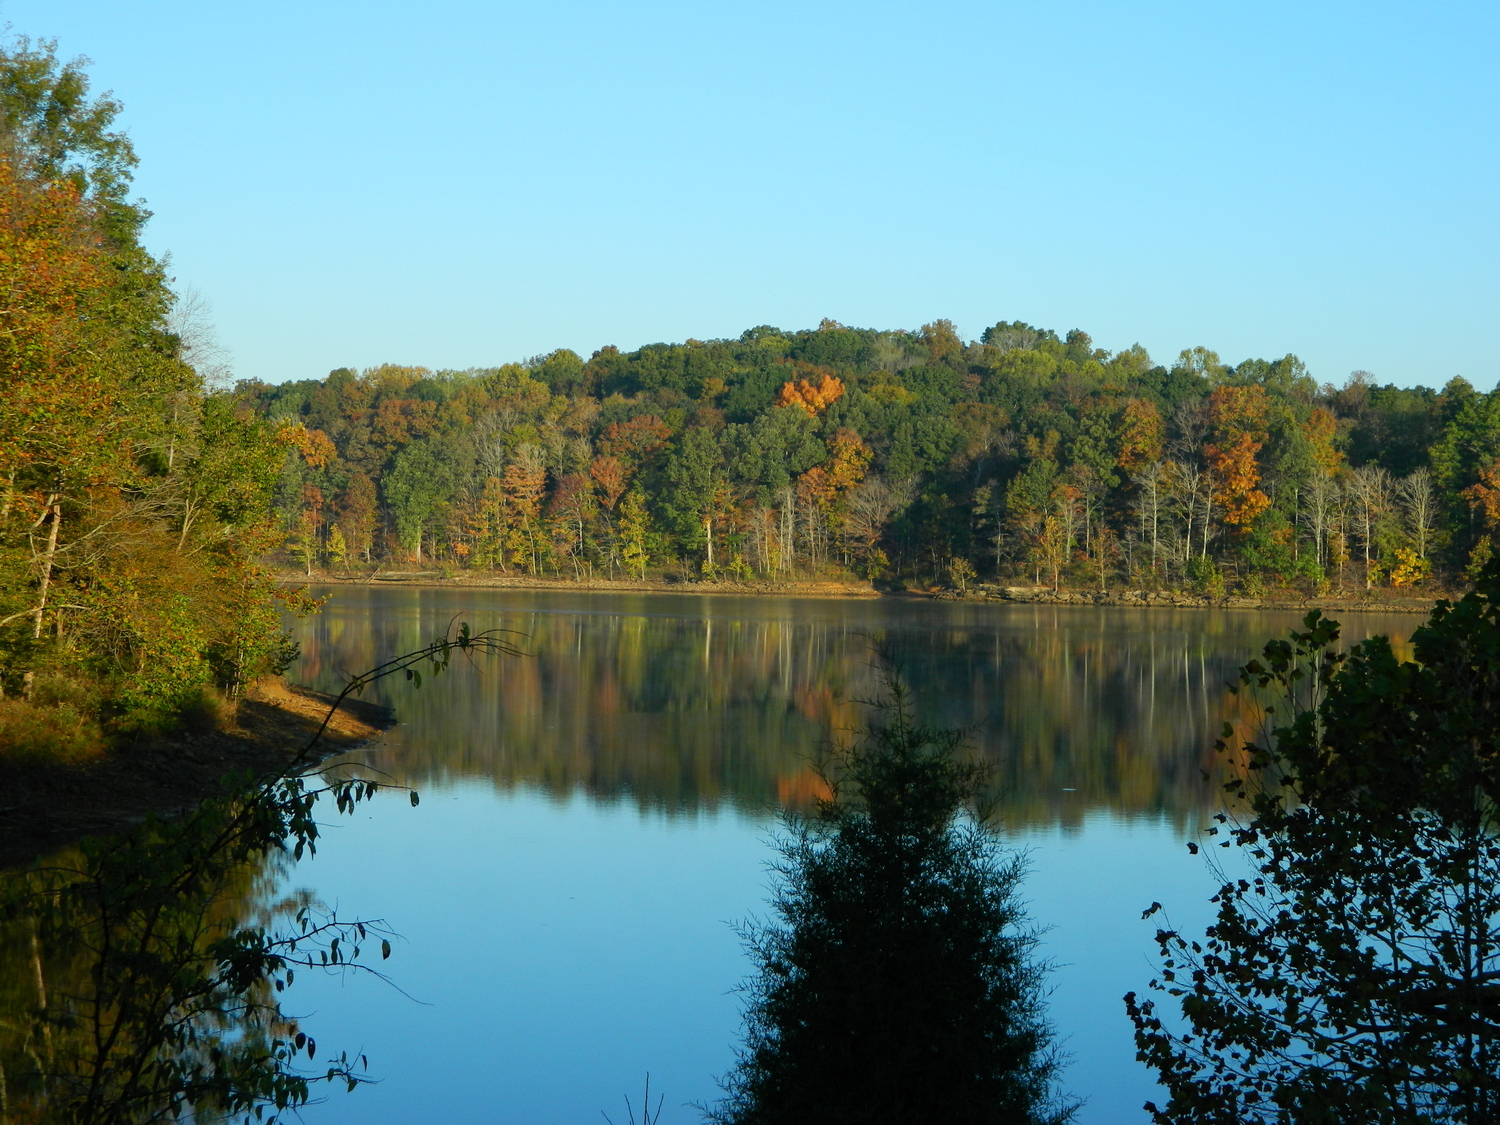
[(678, 704), (681, 702), (600, 810), (141, 975)]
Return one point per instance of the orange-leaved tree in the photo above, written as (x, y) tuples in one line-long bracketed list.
[(812, 395), (1238, 418)]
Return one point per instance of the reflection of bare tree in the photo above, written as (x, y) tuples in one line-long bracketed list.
[(686, 702)]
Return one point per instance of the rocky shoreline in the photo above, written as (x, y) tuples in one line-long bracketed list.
[(1171, 599)]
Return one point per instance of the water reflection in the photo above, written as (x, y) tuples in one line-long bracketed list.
[(140, 976), (682, 702), (598, 810)]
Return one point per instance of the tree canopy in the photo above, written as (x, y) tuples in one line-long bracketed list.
[(899, 454), (134, 501)]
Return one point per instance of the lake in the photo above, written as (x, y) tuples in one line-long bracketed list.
[(597, 814)]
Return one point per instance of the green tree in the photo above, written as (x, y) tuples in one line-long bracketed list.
[(413, 489), (63, 133), (1248, 454), (897, 984), (635, 531), (691, 481), (1351, 973), (121, 482)]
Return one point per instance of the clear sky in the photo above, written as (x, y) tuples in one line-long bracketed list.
[(456, 183)]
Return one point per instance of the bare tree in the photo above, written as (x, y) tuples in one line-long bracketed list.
[(491, 450), (870, 507), (1013, 339), (1320, 500), (1092, 491), (1369, 489), (1189, 429), (787, 531), (1071, 511), (1150, 488), (1185, 485), (1206, 491), (198, 346), (1419, 504)]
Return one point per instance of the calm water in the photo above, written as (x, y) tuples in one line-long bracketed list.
[(596, 814)]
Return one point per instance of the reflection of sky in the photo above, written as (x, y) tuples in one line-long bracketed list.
[(567, 934), (560, 949)]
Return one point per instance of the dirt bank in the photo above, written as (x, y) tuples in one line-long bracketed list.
[(43, 807), (433, 578), (1378, 601)]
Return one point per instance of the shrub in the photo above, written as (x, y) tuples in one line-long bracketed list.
[(33, 732), (897, 984), (1351, 975)]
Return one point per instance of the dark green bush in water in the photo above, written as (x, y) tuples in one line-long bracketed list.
[(897, 983)]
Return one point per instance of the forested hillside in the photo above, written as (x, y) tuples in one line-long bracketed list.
[(134, 502), (896, 455)]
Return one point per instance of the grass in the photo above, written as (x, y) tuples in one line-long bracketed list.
[(44, 731)]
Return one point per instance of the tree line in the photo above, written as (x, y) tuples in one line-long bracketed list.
[(895, 455)]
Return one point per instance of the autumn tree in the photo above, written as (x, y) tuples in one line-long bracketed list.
[(811, 396), (573, 511), (524, 485), (635, 530), (1238, 417), (1192, 472), (127, 484), (1140, 440)]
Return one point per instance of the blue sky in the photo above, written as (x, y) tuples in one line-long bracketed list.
[(454, 183)]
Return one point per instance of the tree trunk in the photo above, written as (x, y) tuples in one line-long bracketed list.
[(45, 583), (9, 499)]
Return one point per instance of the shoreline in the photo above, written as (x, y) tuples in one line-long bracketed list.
[(1375, 602), (48, 806), (431, 579)]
